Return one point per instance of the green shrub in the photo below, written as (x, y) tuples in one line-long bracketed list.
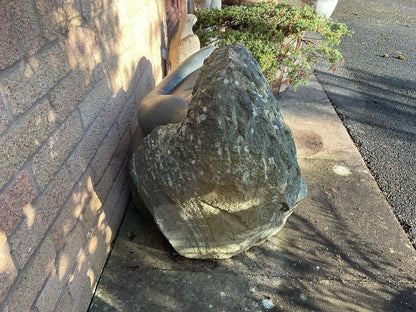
[(275, 36)]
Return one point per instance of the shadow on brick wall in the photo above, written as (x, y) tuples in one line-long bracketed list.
[(71, 111)]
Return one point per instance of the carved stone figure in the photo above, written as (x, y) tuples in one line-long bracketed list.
[(184, 43)]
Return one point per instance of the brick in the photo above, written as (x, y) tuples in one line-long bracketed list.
[(103, 184), (94, 102), (105, 26), (25, 85), (91, 212), (98, 73), (92, 8), (8, 48), (58, 147), (83, 284), (32, 278), (121, 152), (101, 252), (50, 293), (119, 185), (63, 268), (26, 26), (8, 271), (78, 162), (115, 220), (65, 304), (105, 153), (69, 94), (144, 85), (68, 14), (81, 280), (13, 200), (133, 125), (78, 202), (39, 217), (25, 138), (4, 116), (84, 300), (49, 24), (125, 118), (113, 109), (83, 48)]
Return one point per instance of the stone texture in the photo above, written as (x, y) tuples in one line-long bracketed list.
[(227, 177), (26, 26), (78, 162), (91, 9), (111, 203), (145, 84), (24, 86), (82, 48), (81, 280), (58, 147), (113, 109), (39, 217), (68, 14), (65, 303), (79, 201), (91, 212), (8, 271), (69, 94), (104, 183), (105, 153), (94, 102), (185, 42), (63, 268), (127, 115), (13, 200), (32, 279), (8, 48), (24, 139), (4, 117), (48, 19)]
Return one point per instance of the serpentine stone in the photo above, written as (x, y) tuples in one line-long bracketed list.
[(226, 178)]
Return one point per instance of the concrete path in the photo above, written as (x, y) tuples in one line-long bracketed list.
[(342, 249), (376, 95)]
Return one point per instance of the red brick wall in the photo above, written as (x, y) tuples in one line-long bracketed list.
[(71, 73)]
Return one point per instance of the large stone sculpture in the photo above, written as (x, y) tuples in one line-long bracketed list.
[(184, 43), (226, 178)]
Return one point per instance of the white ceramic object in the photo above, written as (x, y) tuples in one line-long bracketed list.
[(323, 7)]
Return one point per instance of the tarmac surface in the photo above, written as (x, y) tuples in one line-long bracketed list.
[(374, 93), (341, 250)]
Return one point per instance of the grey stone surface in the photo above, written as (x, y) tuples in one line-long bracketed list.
[(227, 177)]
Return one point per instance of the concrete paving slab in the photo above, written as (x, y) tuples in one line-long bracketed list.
[(341, 250)]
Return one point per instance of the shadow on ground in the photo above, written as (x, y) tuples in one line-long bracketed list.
[(380, 115), (341, 250)]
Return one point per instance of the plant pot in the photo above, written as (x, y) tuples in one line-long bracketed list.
[(323, 7)]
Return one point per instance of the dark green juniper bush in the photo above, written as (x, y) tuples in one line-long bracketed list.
[(275, 36)]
